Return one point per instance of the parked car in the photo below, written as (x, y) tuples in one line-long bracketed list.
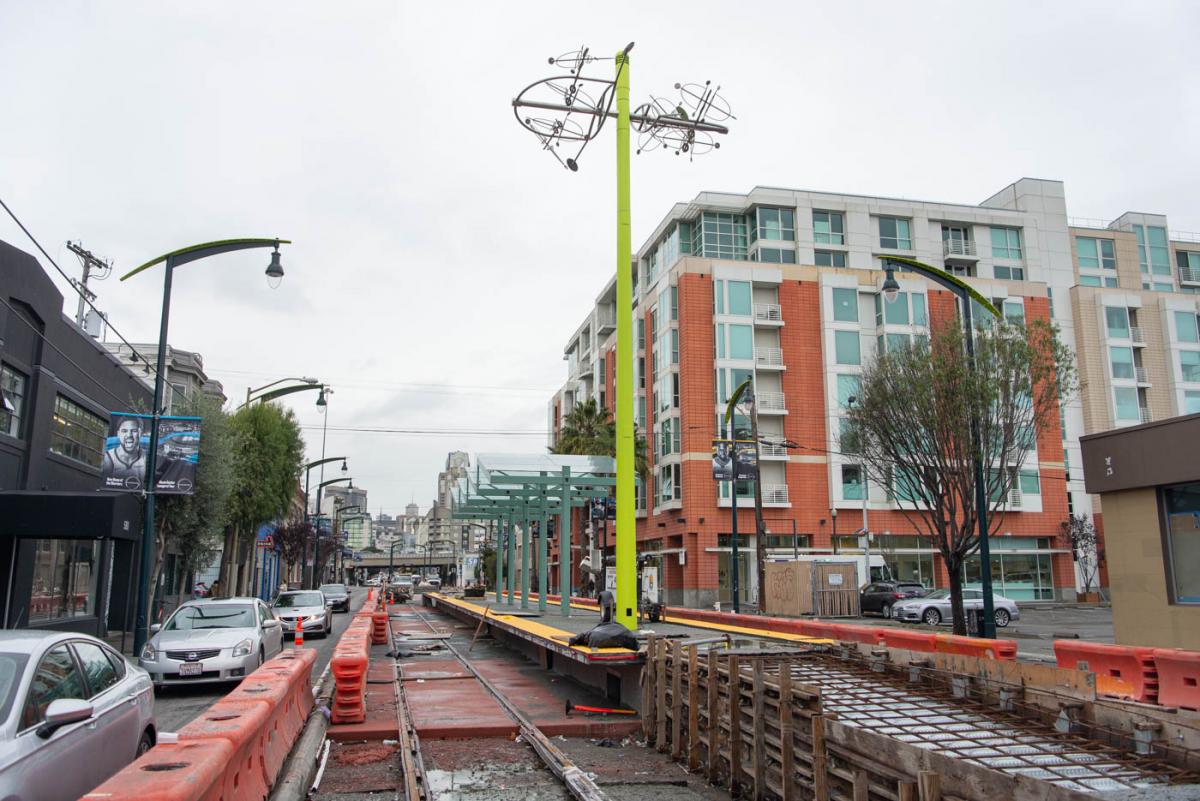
[(307, 605), (435, 582), (934, 608), (338, 596), (374, 581), (882, 595), (211, 640), (73, 712)]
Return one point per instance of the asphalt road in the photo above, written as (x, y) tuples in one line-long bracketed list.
[(175, 707)]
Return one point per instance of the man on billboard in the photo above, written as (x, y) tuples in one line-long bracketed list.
[(124, 466)]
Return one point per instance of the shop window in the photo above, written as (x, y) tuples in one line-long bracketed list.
[(77, 433), (64, 578), (12, 400), (1182, 506)]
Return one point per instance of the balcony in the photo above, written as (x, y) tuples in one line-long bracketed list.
[(606, 320), (1014, 498), (770, 450), (1189, 275), (770, 403), (959, 250), (1136, 336), (771, 358), (1146, 415), (1142, 375), (769, 314), (775, 494)]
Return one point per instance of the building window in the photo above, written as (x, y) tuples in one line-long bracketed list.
[(1006, 243), (717, 235), (852, 483), (845, 305), (777, 255), (668, 483), (733, 297), (1122, 362), (894, 233), (741, 342), (64, 578), (1116, 318), (12, 400), (1191, 402), (776, 224), (1189, 265), (919, 316), (1096, 280), (77, 434), (1153, 252), (1189, 364), (1021, 576), (1127, 404), (1008, 272), (848, 386), (729, 379), (829, 228), (829, 258), (1182, 506), (1185, 327), (846, 347), (1095, 254)]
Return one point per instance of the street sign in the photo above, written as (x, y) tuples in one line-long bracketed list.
[(266, 542)]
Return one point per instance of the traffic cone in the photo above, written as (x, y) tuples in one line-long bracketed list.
[(299, 632)]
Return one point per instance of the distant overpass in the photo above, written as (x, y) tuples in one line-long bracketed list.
[(410, 561)]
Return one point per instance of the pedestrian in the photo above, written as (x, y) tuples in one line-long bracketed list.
[(214, 591), (200, 590)]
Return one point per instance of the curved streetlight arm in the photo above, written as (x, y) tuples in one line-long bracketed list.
[(320, 462), (332, 481), (279, 393), (204, 250), (280, 381), (941, 277)]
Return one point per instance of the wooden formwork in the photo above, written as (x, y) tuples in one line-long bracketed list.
[(786, 747)]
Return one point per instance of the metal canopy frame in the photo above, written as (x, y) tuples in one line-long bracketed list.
[(518, 490)]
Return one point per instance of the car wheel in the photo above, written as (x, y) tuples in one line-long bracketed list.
[(262, 657), (932, 617), (887, 611), (146, 743), (1002, 617)]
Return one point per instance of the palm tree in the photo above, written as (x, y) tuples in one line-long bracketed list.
[(589, 430)]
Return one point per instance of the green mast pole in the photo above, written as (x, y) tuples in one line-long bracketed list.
[(498, 554), (564, 546), (543, 554), (512, 554), (524, 585), (626, 534)]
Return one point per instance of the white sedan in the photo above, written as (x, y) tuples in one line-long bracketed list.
[(72, 713), (934, 608), (210, 641)]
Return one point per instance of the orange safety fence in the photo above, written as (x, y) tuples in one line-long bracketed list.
[(349, 668), (1121, 671), (980, 647), (190, 770), (1178, 677)]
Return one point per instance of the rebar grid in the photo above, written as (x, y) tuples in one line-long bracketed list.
[(931, 717)]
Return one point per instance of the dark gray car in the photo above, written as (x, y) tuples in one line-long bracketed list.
[(338, 596)]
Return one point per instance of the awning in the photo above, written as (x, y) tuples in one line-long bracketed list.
[(70, 515)]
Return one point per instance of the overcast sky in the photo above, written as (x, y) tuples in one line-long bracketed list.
[(440, 260)]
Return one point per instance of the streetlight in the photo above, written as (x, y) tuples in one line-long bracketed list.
[(308, 468), (683, 125), (965, 294), (305, 384), (318, 515), (176, 258)]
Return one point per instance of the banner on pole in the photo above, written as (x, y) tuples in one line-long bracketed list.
[(128, 443), (734, 460)]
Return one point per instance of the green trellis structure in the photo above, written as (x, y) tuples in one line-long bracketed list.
[(514, 491)]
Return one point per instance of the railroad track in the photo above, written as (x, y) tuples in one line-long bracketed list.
[(577, 782)]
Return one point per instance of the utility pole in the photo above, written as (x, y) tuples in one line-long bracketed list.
[(89, 262)]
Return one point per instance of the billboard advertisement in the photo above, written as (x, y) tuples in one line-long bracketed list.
[(128, 443), (734, 459)]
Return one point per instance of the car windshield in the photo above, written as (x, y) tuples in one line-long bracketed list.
[(937, 594), (211, 616), (11, 667), (333, 588), (292, 600)]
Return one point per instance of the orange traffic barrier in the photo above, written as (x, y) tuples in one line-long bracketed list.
[(1121, 671), (379, 632), (871, 635), (247, 726), (190, 770), (1178, 677), (349, 668), (908, 639), (975, 646), (277, 693)]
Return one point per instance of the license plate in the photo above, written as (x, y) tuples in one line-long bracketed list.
[(191, 668)]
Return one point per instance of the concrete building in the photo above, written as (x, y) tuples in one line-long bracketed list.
[(359, 530), (783, 285), (185, 374), (1149, 482)]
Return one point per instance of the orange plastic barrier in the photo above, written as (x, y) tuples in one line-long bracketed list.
[(1121, 671), (190, 770), (1178, 677), (975, 646), (871, 635), (906, 638), (275, 692), (379, 631), (248, 727), (349, 669)]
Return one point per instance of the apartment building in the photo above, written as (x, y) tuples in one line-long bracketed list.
[(184, 373), (783, 286)]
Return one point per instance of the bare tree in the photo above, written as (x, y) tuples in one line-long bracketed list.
[(1084, 547), (911, 428)]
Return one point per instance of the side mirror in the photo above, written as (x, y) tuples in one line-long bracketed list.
[(155, 627), (272, 623), (62, 712)]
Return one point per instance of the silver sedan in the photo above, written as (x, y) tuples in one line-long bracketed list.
[(309, 606), (934, 608), (73, 712), (212, 640)]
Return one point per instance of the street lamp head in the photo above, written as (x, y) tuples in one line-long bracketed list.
[(891, 287), (274, 269), (833, 512), (308, 380), (850, 401), (321, 403), (344, 468)]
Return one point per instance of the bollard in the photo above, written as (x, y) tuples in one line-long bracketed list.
[(299, 639)]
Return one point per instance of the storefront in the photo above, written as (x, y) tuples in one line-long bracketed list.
[(67, 560)]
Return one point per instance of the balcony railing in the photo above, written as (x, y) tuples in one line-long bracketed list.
[(1014, 498), (770, 401), (774, 493), (768, 357), (1136, 335), (768, 313), (771, 450), (1142, 375), (1187, 275), (1146, 414), (606, 319), (959, 247)]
